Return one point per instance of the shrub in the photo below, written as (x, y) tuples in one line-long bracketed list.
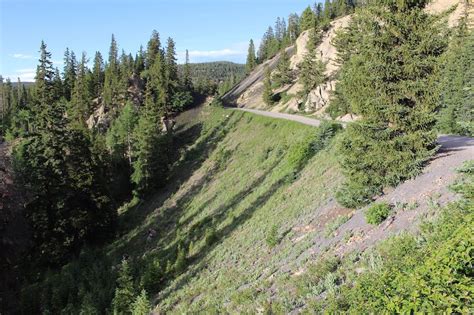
[(180, 263), (153, 277), (272, 237), (377, 213), (222, 158), (217, 102), (354, 195), (210, 236), (141, 305), (324, 134), (300, 153)]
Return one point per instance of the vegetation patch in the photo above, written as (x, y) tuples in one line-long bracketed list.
[(377, 213)]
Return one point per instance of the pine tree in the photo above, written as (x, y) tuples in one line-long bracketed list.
[(141, 305), (307, 20), (97, 82), (283, 72), (311, 72), (124, 292), (251, 59), (314, 39), (150, 159), (19, 97), (6, 104), (280, 30), (80, 102), (269, 45), (457, 107), (18, 118), (126, 70), (187, 82), (70, 72), (171, 66), (342, 7), (328, 12), (140, 60), (153, 48), (293, 27), (120, 134), (58, 85), (267, 88), (150, 156), (44, 88), (3, 126), (68, 206), (391, 82), (111, 78), (318, 11)]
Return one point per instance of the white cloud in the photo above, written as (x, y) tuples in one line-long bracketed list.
[(25, 75), (22, 56), (234, 52)]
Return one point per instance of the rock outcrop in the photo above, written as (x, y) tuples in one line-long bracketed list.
[(103, 115)]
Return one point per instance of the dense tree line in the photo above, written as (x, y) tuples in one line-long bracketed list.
[(212, 77), (75, 171)]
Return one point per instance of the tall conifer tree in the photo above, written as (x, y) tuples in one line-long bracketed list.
[(251, 59), (390, 81)]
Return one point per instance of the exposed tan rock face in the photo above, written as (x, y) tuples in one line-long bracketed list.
[(100, 118), (319, 97), (301, 50)]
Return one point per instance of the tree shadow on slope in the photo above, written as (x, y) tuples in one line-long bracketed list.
[(197, 262), (214, 221), (181, 172), (215, 218)]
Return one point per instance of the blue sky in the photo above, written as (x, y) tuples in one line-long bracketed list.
[(210, 29)]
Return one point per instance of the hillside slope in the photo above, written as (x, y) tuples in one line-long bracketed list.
[(248, 93), (251, 208)]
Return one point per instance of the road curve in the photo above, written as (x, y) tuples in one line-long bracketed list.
[(446, 141), (301, 119)]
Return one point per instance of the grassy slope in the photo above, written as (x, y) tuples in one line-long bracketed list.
[(240, 180)]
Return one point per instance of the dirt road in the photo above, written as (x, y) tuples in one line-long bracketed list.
[(301, 119)]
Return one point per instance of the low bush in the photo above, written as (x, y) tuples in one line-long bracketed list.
[(153, 277), (377, 213), (272, 237), (303, 151), (354, 195), (181, 261), (217, 102), (210, 236)]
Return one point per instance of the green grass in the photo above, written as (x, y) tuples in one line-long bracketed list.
[(244, 175)]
